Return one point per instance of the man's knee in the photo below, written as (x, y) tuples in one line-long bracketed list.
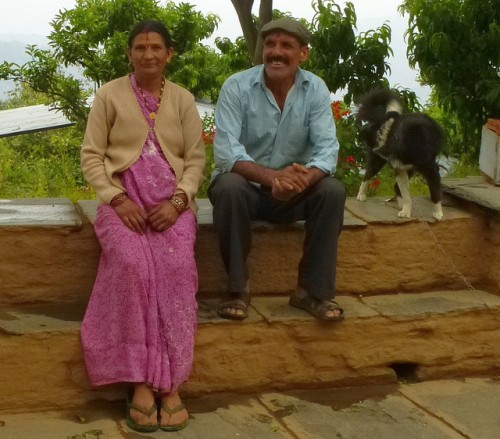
[(332, 190), (227, 184), (229, 181)]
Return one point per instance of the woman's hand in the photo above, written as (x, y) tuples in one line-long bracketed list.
[(163, 216), (132, 215)]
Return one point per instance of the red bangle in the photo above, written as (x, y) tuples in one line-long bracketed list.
[(118, 199)]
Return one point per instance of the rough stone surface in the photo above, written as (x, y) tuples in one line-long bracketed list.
[(471, 406), (47, 264), (390, 417), (390, 330), (48, 212), (379, 253), (277, 347), (476, 189), (449, 409)]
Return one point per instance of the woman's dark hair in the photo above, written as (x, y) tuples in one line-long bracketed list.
[(150, 26)]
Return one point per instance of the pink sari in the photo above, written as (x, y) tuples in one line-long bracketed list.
[(141, 318)]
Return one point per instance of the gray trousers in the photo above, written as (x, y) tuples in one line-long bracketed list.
[(236, 203)]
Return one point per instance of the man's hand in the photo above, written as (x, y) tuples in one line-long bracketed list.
[(289, 182)]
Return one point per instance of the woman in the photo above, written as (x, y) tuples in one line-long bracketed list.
[(144, 156)]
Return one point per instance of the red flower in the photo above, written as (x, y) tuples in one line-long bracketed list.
[(338, 110), (350, 159), (208, 138), (374, 184)]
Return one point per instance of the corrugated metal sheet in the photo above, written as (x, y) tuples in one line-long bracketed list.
[(30, 119), (42, 117)]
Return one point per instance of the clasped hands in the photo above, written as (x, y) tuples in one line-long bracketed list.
[(160, 217), (289, 182)]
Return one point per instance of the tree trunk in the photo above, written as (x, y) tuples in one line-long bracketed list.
[(250, 29)]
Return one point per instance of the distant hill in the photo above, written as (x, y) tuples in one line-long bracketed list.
[(13, 50)]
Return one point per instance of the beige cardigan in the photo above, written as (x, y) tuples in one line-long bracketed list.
[(117, 130)]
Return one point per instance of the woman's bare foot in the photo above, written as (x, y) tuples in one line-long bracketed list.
[(145, 399), (173, 415)]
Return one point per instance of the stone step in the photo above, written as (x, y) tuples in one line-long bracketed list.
[(49, 252), (411, 336)]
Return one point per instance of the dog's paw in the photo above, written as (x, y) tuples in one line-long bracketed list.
[(438, 212), (363, 189), (405, 212), (438, 215)]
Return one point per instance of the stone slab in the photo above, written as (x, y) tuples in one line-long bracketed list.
[(207, 313), (471, 405), (204, 215), (38, 318), (389, 416), (277, 309), (423, 305), (38, 212), (42, 364), (447, 409), (378, 210), (89, 209), (476, 189)]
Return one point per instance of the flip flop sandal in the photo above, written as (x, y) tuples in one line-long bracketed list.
[(169, 411), (142, 428), (237, 301), (317, 308)]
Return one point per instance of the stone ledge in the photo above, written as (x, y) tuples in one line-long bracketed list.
[(39, 212), (204, 216), (440, 334), (379, 253), (477, 190)]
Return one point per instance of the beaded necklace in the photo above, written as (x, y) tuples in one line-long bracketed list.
[(153, 111)]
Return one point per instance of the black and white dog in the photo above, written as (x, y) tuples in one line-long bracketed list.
[(408, 142)]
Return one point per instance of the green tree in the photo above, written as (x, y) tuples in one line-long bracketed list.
[(345, 61), (456, 46), (251, 25), (356, 63), (92, 37)]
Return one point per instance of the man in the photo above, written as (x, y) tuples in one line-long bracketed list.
[(275, 151)]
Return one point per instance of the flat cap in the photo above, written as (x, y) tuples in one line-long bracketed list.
[(289, 26)]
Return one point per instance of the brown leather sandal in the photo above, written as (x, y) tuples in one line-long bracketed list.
[(238, 301), (317, 307)]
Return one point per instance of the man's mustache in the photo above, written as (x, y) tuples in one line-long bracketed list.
[(276, 59)]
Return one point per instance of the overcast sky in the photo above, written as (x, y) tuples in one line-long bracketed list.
[(33, 17)]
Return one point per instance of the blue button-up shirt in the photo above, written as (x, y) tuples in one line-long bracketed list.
[(251, 127)]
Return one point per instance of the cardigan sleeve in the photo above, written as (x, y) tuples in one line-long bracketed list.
[(194, 151), (93, 151)]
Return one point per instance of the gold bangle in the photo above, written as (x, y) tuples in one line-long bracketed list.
[(178, 203), (118, 199)]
